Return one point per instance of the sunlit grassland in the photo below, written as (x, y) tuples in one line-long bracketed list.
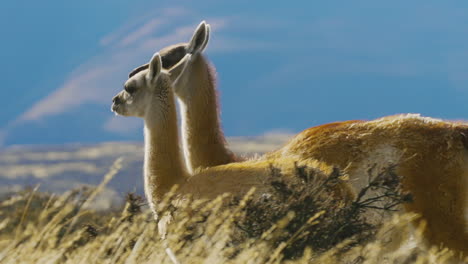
[(297, 222)]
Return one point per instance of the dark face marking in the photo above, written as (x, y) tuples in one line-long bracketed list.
[(137, 70), (170, 56), (130, 89)]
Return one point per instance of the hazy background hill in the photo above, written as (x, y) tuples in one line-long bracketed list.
[(58, 168)]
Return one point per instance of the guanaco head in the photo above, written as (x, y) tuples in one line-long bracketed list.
[(174, 57), (146, 89)]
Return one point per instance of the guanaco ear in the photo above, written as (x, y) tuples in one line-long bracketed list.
[(155, 66), (207, 37), (197, 43), (177, 70)]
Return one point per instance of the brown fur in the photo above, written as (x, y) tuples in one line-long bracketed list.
[(431, 156), (205, 144)]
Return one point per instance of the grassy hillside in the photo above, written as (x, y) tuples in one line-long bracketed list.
[(296, 222)]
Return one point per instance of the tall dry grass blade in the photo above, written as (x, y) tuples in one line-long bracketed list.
[(114, 169), (25, 211), (45, 210), (137, 248), (4, 223), (172, 256)]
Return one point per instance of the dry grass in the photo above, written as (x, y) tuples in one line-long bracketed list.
[(296, 222)]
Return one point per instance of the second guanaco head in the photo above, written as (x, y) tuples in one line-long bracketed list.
[(176, 57)]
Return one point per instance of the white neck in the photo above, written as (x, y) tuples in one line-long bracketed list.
[(163, 166)]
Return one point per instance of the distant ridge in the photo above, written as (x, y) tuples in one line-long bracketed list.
[(58, 168)]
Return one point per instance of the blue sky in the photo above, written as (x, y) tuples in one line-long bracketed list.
[(281, 66)]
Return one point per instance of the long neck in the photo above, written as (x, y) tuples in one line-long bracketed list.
[(203, 139), (163, 166)]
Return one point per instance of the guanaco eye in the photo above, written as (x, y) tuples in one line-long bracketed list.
[(130, 89)]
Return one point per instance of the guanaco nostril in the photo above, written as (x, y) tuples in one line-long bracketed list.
[(116, 100)]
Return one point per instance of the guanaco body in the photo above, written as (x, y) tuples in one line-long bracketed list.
[(430, 154)]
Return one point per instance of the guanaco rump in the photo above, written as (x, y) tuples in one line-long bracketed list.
[(430, 155), (148, 94)]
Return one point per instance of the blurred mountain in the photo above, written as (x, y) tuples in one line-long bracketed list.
[(57, 168)]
